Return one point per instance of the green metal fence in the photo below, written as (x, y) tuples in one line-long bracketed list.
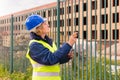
[(96, 52), (97, 22), (96, 55)]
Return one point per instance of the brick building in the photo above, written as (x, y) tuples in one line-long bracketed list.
[(93, 20)]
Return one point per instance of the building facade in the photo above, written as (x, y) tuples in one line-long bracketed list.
[(94, 19)]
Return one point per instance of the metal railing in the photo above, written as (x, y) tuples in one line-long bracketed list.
[(96, 52)]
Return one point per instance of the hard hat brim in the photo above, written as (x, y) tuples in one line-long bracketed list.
[(45, 19)]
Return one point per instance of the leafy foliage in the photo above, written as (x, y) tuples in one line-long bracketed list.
[(5, 75)]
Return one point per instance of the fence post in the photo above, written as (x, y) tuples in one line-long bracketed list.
[(11, 45), (58, 23)]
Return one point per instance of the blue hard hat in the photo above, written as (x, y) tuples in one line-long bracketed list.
[(34, 21)]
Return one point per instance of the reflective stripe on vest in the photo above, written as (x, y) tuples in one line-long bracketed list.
[(40, 70), (37, 65), (45, 74)]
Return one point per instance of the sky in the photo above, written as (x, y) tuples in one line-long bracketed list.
[(11, 6)]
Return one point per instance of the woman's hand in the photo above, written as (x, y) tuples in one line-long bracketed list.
[(72, 39), (71, 54)]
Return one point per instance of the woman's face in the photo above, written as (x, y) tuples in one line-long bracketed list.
[(45, 28)]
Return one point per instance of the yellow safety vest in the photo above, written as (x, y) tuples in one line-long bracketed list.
[(43, 72)]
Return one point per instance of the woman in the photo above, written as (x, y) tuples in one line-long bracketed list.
[(43, 53)]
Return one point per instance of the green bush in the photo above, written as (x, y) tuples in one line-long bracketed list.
[(22, 76), (5, 75)]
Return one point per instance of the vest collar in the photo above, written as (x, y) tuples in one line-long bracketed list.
[(37, 37)]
